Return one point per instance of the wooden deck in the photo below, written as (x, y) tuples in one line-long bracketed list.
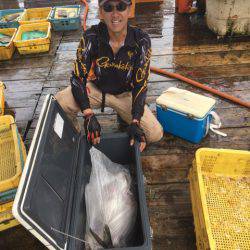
[(180, 44)]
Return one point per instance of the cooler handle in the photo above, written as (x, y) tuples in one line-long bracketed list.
[(216, 125)]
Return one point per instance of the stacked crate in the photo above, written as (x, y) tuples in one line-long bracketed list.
[(13, 156), (220, 194), (2, 101), (36, 23)]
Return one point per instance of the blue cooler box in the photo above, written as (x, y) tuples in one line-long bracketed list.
[(184, 113)]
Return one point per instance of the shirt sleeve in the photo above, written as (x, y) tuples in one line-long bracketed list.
[(82, 66), (140, 77)]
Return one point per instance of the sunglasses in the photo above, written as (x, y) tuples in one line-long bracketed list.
[(107, 7)]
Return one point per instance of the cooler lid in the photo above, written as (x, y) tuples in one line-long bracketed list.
[(45, 193), (186, 102)]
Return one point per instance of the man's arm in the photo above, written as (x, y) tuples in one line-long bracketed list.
[(82, 67), (78, 81), (140, 77)]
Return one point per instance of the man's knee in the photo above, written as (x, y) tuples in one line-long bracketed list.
[(67, 102), (155, 134), (61, 96)]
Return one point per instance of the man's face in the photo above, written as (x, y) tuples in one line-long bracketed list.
[(115, 15)]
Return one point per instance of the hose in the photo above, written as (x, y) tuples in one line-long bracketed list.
[(201, 86), (178, 76)]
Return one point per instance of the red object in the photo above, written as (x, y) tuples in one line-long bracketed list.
[(201, 86), (85, 14), (183, 5)]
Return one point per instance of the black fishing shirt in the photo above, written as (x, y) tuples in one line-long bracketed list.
[(127, 70)]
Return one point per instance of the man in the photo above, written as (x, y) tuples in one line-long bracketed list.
[(119, 56)]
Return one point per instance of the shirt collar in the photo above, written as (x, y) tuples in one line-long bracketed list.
[(104, 35)]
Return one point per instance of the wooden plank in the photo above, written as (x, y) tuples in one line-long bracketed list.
[(61, 70), (236, 139), (24, 113), (68, 46), (169, 202), (162, 46), (208, 71), (215, 71), (201, 59), (174, 243), (73, 35), (24, 74), (23, 86), (68, 55), (162, 169), (19, 238), (24, 63), (56, 83), (222, 84), (22, 99)]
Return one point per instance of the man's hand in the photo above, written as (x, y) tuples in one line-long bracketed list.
[(135, 132), (92, 129)]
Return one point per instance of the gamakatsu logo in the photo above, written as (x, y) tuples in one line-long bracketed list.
[(104, 62)]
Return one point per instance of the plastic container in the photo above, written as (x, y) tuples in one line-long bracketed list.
[(35, 15), (11, 24), (38, 45), (12, 153), (66, 23), (7, 51), (2, 100), (228, 17), (184, 114), (8, 224), (220, 189), (5, 212), (9, 195), (6, 217), (200, 229), (50, 195)]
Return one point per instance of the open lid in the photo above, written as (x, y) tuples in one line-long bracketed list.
[(186, 102), (45, 193)]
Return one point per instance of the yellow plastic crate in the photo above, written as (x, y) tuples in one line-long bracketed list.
[(200, 230), (6, 212), (13, 154), (7, 51), (35, 15), (223, 188), (7, 219), (8, 224), (34, 45), (2, 87)]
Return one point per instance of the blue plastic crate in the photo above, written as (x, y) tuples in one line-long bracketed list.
[(13, 24), (65, 23), (8, 195)]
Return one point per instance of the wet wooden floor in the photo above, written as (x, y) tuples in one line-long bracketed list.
[(180, 44)]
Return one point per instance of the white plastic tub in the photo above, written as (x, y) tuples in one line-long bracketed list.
[(228, 16)]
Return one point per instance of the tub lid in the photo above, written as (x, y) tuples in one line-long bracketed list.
[(186, 102), (45, 192)]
